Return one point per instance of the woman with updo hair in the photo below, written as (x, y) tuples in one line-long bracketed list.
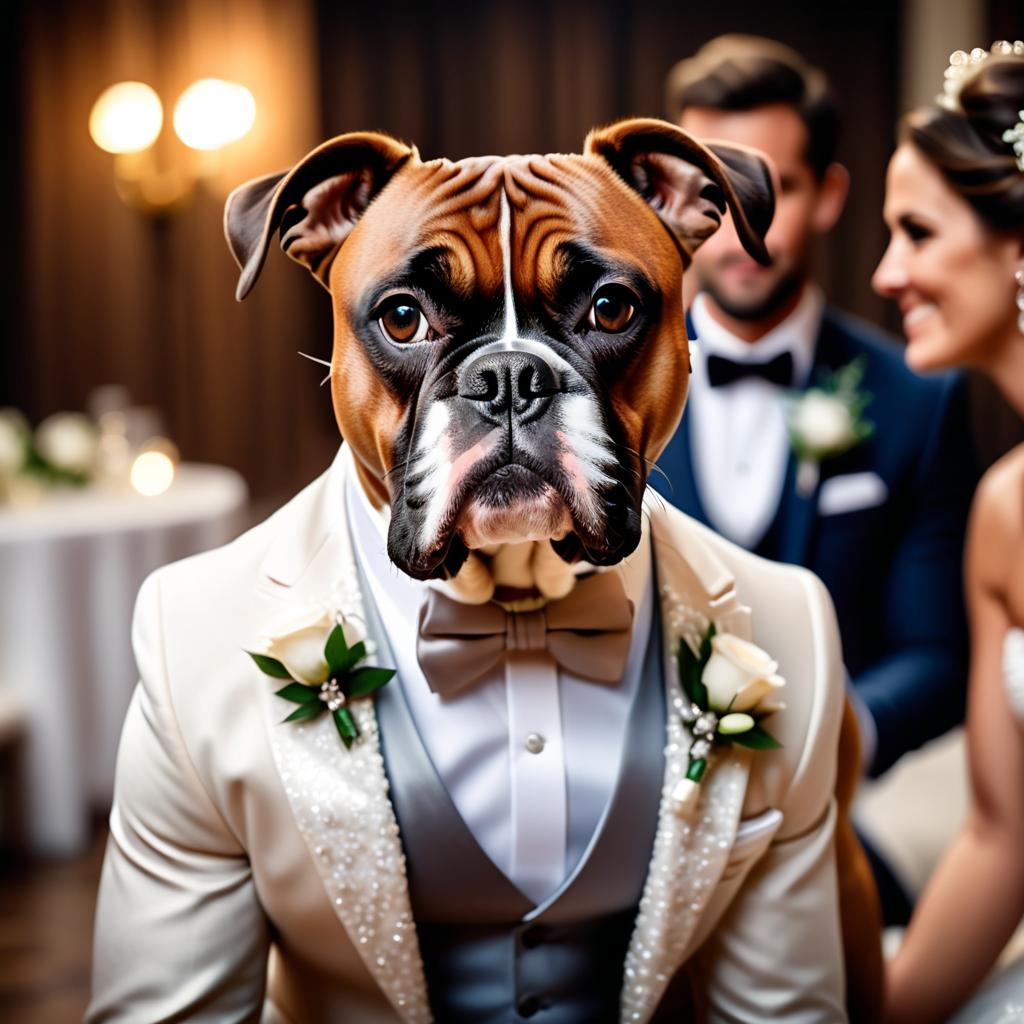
[(955, 263)]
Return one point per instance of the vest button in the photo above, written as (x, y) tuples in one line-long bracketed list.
[(533, 936), (528, 1006)]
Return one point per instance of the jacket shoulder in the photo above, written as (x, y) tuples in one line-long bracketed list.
[(213, 576)]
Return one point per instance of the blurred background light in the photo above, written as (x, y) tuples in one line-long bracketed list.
[(211, 113), (126, 118), (152, 472)]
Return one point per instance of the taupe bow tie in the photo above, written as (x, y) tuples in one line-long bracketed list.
[(587, 633)]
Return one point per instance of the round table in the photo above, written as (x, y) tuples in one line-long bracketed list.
[(70, 568)]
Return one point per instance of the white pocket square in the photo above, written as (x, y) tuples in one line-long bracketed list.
[(851, 492)]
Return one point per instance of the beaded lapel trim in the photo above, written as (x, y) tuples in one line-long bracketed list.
[(689, 855), (339, 799)]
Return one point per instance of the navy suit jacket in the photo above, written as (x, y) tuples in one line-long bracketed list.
[(893, 570)]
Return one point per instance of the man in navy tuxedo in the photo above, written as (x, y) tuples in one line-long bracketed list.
[(882, 523)]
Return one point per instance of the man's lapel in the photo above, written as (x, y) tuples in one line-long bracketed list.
[(798, 506), (339, 797), (796, 515), (689, 854)]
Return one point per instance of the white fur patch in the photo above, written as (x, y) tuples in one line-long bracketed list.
[(586, 453), (511, 331), (433, 464)]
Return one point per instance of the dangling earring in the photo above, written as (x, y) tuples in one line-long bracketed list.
[(1018, 276)]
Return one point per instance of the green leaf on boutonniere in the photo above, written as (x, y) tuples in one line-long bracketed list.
[(344, 681), (297, 693), (691, 668), (340, 657), (756, 739), (365, 681), (346, 726), (304, 711), (269, 666)]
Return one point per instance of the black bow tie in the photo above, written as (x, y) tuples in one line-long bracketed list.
[(722, 371)]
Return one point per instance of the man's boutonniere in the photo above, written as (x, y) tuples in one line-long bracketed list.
[(827, 420), (320, 655), (727, 683)]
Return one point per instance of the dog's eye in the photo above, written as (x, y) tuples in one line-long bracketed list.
[(403, 321), (612, 310)]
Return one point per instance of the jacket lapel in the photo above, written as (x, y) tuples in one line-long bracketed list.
[(798, 507), (796, 516), (689, 854), (339, 798)]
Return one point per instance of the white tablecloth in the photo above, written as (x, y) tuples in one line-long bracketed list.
[(70, 569)]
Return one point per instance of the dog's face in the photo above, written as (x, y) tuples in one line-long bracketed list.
[(510, 351)]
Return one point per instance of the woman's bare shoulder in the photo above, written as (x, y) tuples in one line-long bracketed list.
[(997, 519)]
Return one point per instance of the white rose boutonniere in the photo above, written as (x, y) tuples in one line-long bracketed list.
[(827, 420), (320, 653), (729, 685)]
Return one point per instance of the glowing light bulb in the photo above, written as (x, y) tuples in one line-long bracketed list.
[(152, 473), (211, 113), (126, 118)]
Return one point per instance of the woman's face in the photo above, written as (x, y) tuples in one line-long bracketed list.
[(952, 276)]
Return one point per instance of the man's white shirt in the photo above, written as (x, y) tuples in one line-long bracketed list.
[(738, 438), (532, 811)]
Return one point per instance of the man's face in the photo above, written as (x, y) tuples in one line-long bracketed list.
[(742, 288)]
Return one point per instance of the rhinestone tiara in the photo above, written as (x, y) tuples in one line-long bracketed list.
[(962, 65)]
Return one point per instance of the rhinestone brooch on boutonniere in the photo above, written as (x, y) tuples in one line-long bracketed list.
[(827, 420), (728, 684), (321, 655)]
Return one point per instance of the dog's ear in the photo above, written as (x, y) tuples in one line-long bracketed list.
[(689, 184), (315, 205)]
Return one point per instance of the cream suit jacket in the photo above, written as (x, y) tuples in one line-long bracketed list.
[(254, 870)]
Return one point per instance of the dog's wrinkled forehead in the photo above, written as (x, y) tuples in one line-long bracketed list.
[(444, 221)]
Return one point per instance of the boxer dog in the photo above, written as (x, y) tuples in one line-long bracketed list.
[(510, 354)]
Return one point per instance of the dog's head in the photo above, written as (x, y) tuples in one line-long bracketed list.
[(510, 352)]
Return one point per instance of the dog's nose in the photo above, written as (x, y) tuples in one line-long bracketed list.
[(512, 384)]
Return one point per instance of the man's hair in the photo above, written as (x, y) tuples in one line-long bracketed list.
[(739, 72)]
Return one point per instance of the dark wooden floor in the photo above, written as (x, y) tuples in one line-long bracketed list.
[(46, 913)]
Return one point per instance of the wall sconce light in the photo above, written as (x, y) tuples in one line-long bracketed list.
[(127, 119)]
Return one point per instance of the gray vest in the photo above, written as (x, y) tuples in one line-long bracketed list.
[(489, 953)]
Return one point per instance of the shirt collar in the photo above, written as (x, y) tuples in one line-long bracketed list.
[(797, 334)]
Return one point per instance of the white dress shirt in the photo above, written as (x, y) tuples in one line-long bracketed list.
[(738, 438), (529, 755)]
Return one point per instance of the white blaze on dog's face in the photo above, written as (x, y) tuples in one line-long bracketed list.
[(510, 347)]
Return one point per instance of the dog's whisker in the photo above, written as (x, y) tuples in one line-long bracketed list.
[(314, 359), (395, 468), (326, 380)]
